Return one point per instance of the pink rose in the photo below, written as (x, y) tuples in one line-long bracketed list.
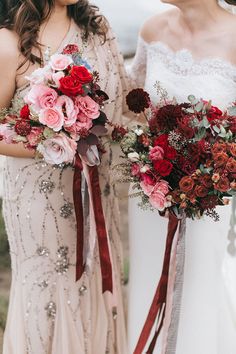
[(7, 133), (59, 149), (87, 107), (34, 137), (69, 109), (60, 62), (40, 75), (162, 186), (135, 169), (158, 200), (41, 97), (157, 193), (147, 188), (52, 118), (156, 153)]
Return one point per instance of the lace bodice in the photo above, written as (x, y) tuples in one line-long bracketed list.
[(181, 75)]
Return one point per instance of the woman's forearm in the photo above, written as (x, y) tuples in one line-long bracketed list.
[(15, 150)]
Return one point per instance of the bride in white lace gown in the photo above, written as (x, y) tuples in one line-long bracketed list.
[(189, 50)]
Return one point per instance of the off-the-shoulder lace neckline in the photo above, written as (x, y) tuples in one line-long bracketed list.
[(164, 47)]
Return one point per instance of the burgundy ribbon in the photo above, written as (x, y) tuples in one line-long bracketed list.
[(104, 253), (157, 309)]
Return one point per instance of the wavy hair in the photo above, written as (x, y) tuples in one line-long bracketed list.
[(25, 17), (231, 2)]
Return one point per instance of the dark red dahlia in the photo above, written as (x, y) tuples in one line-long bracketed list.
[(23, 127), (138, 100), (168, 116)]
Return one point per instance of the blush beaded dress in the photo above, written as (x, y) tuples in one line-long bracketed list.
[(50, 313)]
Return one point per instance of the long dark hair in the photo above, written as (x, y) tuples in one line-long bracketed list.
[(231, 2), (25, 17)]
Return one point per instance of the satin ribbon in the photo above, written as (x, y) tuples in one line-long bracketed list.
[(158, 306), (95, 194)]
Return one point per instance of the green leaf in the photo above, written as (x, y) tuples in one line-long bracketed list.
[(200, 134), (199, 106), (191, 98), (216, 129)]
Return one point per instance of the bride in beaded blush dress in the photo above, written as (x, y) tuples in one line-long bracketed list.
[(50, 313), (208, 313)]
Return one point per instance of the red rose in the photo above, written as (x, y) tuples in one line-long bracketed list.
[(220, 159), (22, 127), (70, 86), (81, 74), (206, 180), (170, 153), (223, 185), (214, 113), (71, 49), (162, 141), (163, 167), (231, 165), (232, 149), (186, 184), (25, 112), (218, 147), (201, 191)]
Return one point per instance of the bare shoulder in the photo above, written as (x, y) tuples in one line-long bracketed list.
[(154, 27), (9, 51)]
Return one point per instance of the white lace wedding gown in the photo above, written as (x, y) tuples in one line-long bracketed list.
[(208, 314)]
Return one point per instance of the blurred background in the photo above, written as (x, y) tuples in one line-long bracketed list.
[(126, 17)]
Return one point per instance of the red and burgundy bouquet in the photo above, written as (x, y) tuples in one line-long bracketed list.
[(61, 115), (184, 161), (184, 158)]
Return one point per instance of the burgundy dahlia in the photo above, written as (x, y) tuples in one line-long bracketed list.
[(137, 100), (23, 127), (168, 116)]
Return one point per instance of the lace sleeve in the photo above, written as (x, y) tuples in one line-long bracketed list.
[(137, 70)]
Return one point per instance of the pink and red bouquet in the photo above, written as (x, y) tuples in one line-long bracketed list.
[(61, 114), (184, 159)]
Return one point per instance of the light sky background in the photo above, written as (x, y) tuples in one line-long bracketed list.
[(127, 16)]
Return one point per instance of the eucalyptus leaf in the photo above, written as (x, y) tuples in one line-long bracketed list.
[(216, 129), (199, 106), (200, 134), (191, 98), (206, 123)]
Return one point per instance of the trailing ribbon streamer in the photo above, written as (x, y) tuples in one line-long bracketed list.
[(95, 193), (158, 306)]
